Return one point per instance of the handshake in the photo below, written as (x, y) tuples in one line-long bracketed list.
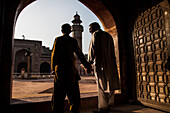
[(89, 69)]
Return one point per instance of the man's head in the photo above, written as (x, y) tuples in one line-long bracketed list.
[(93, 27), (66, 28)]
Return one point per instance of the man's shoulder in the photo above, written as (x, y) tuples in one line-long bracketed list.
[(99, 32), (68, 38), (57, 38), (63, 37)]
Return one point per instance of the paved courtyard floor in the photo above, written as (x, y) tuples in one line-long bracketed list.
[(38, 90), (126, 108)]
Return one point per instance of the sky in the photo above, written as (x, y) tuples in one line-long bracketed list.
[(42, 20)]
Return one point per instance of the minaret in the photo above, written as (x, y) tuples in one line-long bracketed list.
[(77, 30)]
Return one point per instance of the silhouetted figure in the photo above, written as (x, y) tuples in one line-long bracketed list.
[(22, 73), (63, 63), (101, 50)]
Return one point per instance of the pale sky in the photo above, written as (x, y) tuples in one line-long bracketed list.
[(42, 20)]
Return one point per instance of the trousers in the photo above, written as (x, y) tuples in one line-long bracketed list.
[(60, 92), (105, 99)]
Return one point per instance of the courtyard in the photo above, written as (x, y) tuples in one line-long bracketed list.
[(39, 90)]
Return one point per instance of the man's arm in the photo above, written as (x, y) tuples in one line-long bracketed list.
[(53, 56), (91, 52), (81, 56)]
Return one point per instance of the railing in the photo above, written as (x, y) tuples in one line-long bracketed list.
[(32, 76)]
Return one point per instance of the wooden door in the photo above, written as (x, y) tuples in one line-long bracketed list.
[(151, 54)]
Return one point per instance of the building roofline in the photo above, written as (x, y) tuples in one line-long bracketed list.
[(27, 40)]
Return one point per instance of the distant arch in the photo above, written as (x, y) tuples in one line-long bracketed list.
[(20, 66), (20, 57), (45, 68)]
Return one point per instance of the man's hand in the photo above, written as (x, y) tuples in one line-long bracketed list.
[(52, 72), (89, 69)]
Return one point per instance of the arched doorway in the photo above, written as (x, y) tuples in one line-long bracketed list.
[(21, 66), (108, 24), (20, 59), (45, 68), (6, 43)]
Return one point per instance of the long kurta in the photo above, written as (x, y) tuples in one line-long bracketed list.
[(101, 52)]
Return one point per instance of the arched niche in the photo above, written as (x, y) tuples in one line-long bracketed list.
[(45, 68), (20, 57), (22, 65)]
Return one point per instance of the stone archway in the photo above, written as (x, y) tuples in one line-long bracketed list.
[(20, 57), (11, 10), (45, 68), (104, 15), (20, 66)]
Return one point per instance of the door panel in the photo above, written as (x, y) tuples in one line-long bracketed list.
[(151, 54)]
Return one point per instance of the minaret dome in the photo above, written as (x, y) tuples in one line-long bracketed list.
[(76, 20)]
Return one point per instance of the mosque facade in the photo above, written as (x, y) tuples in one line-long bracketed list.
[(31, 56)]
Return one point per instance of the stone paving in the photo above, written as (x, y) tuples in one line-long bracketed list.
[(126, 108), (38, 90)]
